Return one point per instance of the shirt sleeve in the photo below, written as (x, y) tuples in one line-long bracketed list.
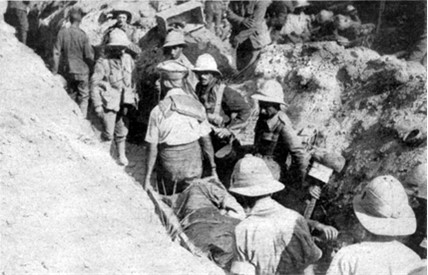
[(260, 10), (231, 15), (204, 128), (152, 135), (295, 146), (234, 103), (95, 84), (301, 251), (88, 51)]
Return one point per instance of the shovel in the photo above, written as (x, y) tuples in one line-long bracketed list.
[(321, 170)]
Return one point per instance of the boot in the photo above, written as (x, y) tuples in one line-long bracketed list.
[(123, 161)]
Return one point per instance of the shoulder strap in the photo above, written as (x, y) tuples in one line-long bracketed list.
[(218, 100)]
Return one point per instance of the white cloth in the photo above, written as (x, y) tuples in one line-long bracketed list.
[(296, 24), (377, 258), (176, 129)]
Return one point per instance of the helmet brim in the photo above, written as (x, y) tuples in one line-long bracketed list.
[(199, 70), (257, 190), (402, 226)]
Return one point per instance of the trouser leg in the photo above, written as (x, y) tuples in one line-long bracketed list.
[(22, 27), (120, 133), (83, 96), (109, 123)]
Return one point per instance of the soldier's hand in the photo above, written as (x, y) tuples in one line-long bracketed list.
[(315, 191), (329, 232), (99, 111), (223, 133), (248, 22)]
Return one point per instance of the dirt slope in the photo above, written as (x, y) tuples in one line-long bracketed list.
[(65, 205)]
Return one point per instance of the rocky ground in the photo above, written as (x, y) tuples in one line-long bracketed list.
[(66, 207), (365, 106)]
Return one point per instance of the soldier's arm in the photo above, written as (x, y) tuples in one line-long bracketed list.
[(88, 52), (260, 10), (233, 17), (96, 79), (152, 153), (57, 52), (297, 151)]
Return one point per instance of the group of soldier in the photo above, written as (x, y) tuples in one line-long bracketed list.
[(193, 132)]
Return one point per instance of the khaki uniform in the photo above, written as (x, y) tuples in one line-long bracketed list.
[(275, 138), (248, 41), (112, 87)]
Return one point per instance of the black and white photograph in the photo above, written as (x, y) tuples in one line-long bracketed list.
[(205, 137)]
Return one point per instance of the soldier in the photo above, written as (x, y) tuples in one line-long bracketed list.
[(384, 215), (249, 30), (113, 91), (123, 20), (16, 16), (72, 46), (227, 110), (173, 50), (178, 132), (275, 137), (297, 27), (272, 239)]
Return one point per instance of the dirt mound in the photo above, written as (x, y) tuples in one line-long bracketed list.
[(371, 108), (66, 207)]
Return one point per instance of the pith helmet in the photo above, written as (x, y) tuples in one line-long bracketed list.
[(118, 38), (206, 63), (252, 178), (350, 8), (383, 208), (271, 91), (174, 38), (324, 16), (120, 9)]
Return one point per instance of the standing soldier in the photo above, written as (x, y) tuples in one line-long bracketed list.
[(123, 20), (173, 50), (249, 30), (16, 16), (113, 91), (227, 110), (178, 132), (72, 46)]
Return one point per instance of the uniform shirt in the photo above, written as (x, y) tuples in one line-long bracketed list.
[(73, 45), (377, 258), (176, 129), (274, 240), (112, 83), (276, 137), (256, 10), (232, 102)]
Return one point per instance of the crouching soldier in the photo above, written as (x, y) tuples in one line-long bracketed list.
[(178, 132), (113, 91)]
